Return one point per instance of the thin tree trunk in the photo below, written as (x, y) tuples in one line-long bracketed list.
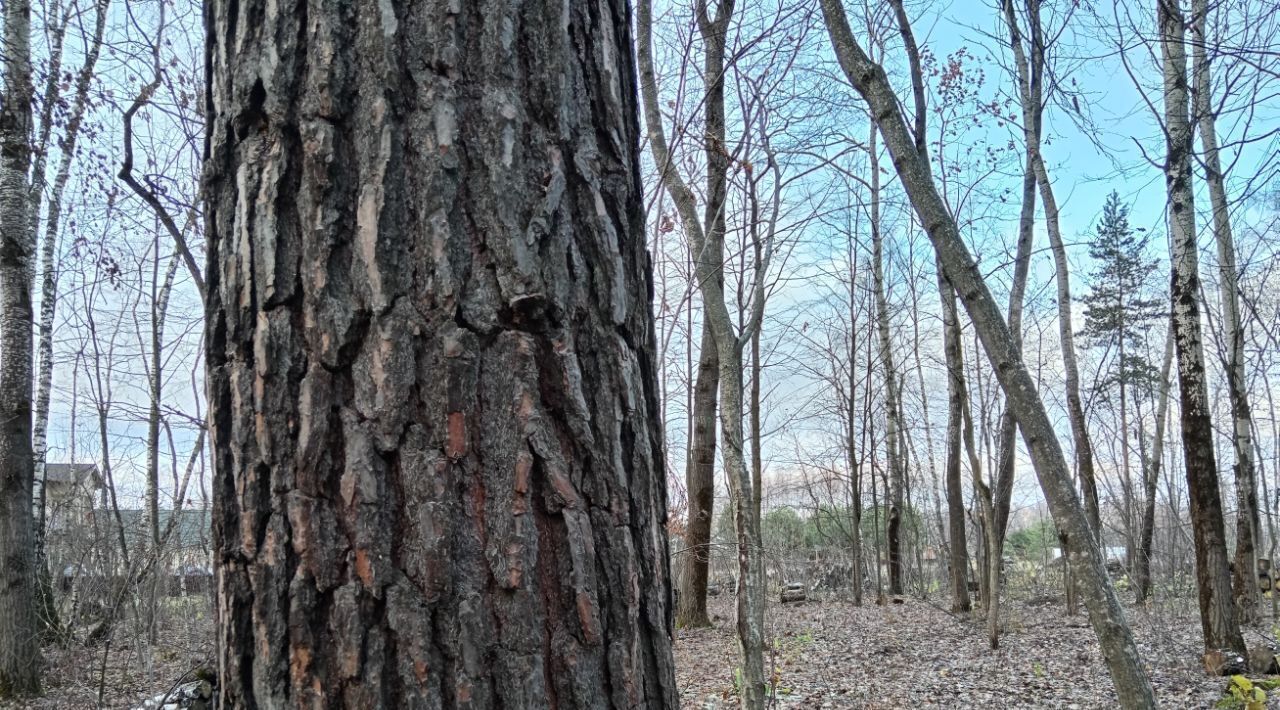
[(155, 377), (1006, 450), (1123, 659), (955, 402), (1247, 521), (49, 293), (19, 626), (700, 485), (708, 247), (430, 358), (851, 448), (893, 455), (1126, 473), (1030, 73), (1151, 479)]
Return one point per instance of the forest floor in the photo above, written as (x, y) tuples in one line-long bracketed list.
[(831, 654), (825, 654)]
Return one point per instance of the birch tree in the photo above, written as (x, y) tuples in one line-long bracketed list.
[(1244, 579), (1217, 609), (19, 642)]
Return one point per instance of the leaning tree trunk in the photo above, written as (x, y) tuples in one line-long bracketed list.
[(1248, 523), (1217, 609), (433, 414), (1105, 614), (700, 483), (19, 643), (1151, 480)]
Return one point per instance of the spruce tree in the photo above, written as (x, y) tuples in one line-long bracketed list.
[(1119, 312)]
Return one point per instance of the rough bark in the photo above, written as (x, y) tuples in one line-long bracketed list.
[(1217, 609), (19, 642), (1151, 480), (438, 460), (1119, 650), (1248, 523)]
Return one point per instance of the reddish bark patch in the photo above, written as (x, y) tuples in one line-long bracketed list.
[(364, 568), (456, 446)]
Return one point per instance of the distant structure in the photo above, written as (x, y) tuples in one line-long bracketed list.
[(87, 541)]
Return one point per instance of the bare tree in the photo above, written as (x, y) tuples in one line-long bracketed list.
[(68, 141), (1030, 70), (911, 162)]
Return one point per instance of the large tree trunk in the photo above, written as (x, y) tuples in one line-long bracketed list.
[(1248, 523), (1151, 480), (1217, 609), (955, 403), (19, 642), (433, 412), (700, 483), (1118, 647)]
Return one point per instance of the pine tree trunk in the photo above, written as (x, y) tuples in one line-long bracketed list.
[(433, 413), (19, 642), (868, 78), (1248, 523), (1217, 609)]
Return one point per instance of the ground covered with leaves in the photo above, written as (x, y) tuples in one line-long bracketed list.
[(832, 654), (825, 654)]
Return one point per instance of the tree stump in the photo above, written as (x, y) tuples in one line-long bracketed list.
[(793, 592)]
